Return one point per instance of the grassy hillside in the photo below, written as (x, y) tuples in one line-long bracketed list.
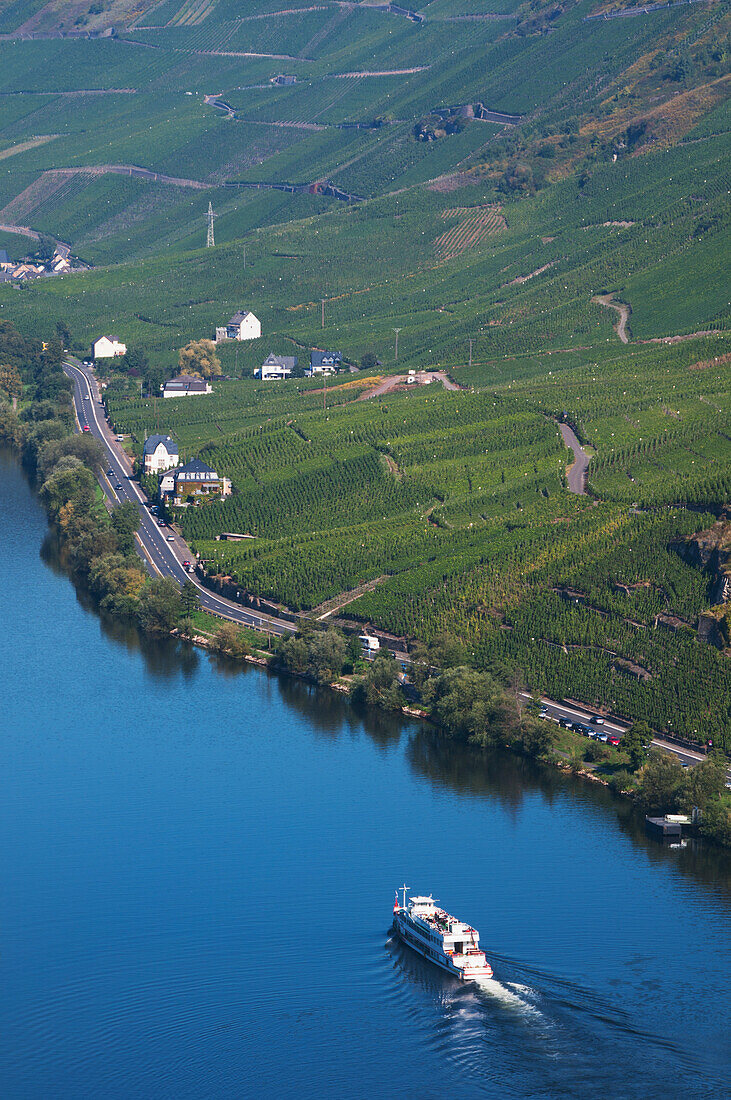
[(455, 505), (595, 187)]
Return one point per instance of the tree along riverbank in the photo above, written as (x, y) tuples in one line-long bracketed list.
[(478, 707)]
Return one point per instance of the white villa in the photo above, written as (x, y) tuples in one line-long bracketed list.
[(276, 367), (243, 326), (159, 453), (107, 347)]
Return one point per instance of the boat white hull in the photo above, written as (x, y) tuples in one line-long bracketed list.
[(444, 962)]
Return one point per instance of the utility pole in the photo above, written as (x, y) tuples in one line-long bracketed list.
[(244, 257), (397, 331), (324, 391), (470, 351), (322, 303)]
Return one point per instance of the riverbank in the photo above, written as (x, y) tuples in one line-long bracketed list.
[(467, 705)]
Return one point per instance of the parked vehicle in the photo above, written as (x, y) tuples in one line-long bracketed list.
[(171, 538), (613, 739)]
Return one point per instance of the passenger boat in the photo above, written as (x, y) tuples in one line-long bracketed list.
[(439, 937)]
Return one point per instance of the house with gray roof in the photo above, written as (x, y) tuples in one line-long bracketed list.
[(276, 367), (185, 484), (159, 453), (186, 385), (324, 362), (243, 326)]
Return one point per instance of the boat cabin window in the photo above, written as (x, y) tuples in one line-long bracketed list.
[(458, 948)]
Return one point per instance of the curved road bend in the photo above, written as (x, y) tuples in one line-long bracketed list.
[(161, 556), (576, 473)]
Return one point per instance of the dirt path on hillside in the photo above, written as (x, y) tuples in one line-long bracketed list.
[(678, 339), (21, 230), (325, 610), (394, 380), (382, 72), (576, 472), (607, 300)]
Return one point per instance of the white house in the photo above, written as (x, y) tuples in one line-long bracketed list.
[(159, 453), (185, 385), (107, 347), (324, 362), (243, 326), (276, 367)]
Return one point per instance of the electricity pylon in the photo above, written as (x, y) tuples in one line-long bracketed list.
[(210, 242)]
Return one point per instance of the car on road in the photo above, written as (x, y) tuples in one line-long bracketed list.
[(86, 428), (187, 565), (566, 723), (596, 720), (110, 472), (118, 485), (171, 538), (161, 523), (601, 737), (613, 739)]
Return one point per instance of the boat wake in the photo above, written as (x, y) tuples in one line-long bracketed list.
[(510, 995)]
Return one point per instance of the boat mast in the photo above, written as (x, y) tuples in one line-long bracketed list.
[(404, 889)]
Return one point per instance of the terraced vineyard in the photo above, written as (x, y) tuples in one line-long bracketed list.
[(474, 224), (348, 158)]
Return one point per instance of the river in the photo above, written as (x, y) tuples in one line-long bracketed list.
[(199, 863)]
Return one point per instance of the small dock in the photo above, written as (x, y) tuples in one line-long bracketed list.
[(668, 827)]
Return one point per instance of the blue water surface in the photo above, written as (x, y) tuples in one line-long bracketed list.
[(198, 869)]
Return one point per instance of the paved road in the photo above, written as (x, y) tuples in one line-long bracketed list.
[(573, 714), (162, 557)]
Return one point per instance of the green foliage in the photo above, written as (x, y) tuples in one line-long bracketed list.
[(159, 605), (319, 656), (228, 639), (470, 705), (636, 744), (380, 685), (660, 783), (535, 737), (189, 599), (125, 520)]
